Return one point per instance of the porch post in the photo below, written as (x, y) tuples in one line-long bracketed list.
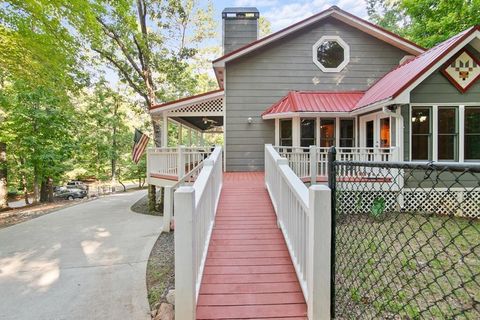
[(202, 139), (296, 131), (180, 134), (313, 165), (277, 131), (165, 131)]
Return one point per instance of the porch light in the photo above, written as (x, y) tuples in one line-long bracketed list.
[(250, 119)]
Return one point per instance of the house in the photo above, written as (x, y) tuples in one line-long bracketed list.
[(334, 79), (330, 80)]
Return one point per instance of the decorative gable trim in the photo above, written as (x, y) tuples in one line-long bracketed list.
[(460, 73)]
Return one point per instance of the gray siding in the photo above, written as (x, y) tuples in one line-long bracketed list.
[(438, 89), (238, 32), (255, 82)]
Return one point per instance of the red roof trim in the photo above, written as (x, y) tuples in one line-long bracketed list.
[(332, 9), (453, 81), (185, 99)]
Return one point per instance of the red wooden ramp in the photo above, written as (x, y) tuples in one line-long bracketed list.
[(248, 273)]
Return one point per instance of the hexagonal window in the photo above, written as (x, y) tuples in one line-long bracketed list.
[(331, 54)]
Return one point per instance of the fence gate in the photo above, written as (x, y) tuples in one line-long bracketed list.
[(406, 240)]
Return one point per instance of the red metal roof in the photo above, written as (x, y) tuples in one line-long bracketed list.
[(186, 99), (400, 78), (312, 101)]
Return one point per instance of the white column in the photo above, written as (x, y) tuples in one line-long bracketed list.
[(202, 138), (461, 134), (296, 131), (434, 133), (317, 129), (277, 132), (337, 132), (180, 134), (185, 291), (313, 165), (165, 131), (189, 137), (167, 208), (319, 246)]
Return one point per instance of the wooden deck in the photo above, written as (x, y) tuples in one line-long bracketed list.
[(248, 273)]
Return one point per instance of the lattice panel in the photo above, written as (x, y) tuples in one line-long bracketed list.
[(362, 201), (214, 105), (461, 203)]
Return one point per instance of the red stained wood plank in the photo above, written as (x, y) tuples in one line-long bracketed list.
[(252, 288), (249, 299), (248, 269), (249, 278), (248, 272), (246, 312), (248, 262)]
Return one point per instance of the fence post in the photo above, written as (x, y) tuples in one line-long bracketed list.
[(319, 264), (313, 165), (185, 286), (181, 162), (332, 184), (167, 208)]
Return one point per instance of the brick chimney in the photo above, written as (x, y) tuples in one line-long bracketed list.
[(240, 27)]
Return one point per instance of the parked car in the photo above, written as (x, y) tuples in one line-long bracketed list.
[(70, 194), (75, 184)]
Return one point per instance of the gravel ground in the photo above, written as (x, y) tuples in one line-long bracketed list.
[(161, 269)]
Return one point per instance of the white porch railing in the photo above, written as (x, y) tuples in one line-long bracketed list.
[(299, 158), (304, 216), (174, 163), (196, 207)]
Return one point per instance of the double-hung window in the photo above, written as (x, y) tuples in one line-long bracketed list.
[(307, 132), (327, 133), (286, 132), (447, 143), (421, 133), (472, 133)]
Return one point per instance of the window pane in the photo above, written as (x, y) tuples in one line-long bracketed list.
[(286, 132), (385, 133), (327, 133), (420, 147), (369, 134), (447, 120), (447, 147), (330, 54), (420, 120), (472, 120), (472, 147), (307, 132), (346, 133)]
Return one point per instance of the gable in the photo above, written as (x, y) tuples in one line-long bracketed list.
[(436, 88), (289, 63)]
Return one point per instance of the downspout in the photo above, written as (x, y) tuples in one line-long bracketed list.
[(387, 111)]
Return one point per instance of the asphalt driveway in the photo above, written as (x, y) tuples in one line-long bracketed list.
[(82, 262)]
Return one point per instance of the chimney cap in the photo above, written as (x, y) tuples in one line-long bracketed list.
[(240, 13)]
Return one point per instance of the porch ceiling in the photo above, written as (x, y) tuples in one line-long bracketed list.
[(202, 123)]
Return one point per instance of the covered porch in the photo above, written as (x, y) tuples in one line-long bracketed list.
[(308, 123), (190, 128)]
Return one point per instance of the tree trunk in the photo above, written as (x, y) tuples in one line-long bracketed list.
[(114, 146), (25, 189), (43, 192), (3, 176), (50, 189), (152, 198), (36, 191)]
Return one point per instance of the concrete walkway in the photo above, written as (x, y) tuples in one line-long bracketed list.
[(82, 262)]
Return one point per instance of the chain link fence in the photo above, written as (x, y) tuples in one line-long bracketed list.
[(406, 240)]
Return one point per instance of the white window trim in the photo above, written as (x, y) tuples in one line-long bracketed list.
[(342, 43)]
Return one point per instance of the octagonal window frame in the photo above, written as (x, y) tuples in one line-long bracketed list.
[(346, 53)]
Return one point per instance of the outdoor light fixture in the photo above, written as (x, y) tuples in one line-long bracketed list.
[(250, 119)]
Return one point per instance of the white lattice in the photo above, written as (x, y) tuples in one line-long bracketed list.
[(214, 105), (461, 203)]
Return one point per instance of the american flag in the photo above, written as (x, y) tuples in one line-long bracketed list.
[(140, 142)]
